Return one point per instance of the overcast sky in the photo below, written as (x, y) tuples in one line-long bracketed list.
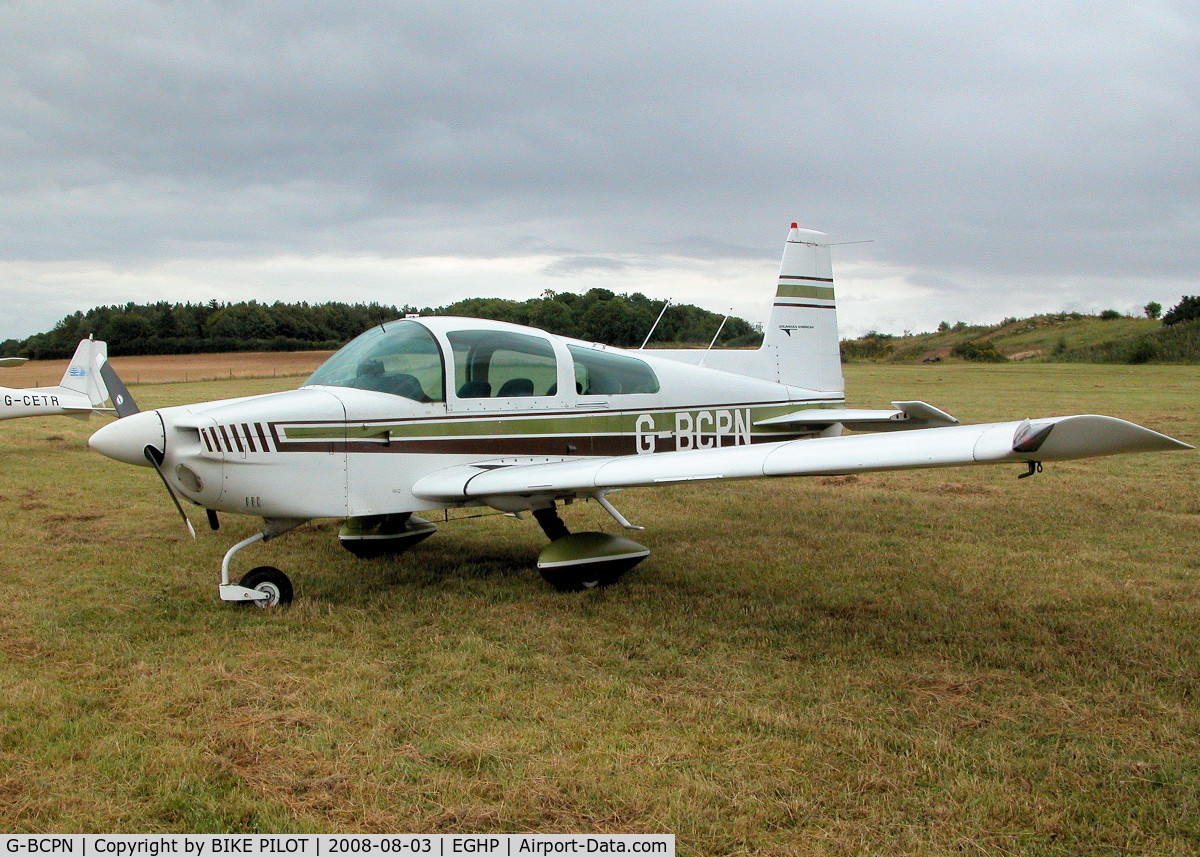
[(1003, 158)]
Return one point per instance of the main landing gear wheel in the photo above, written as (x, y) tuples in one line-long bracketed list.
[(573, 562), (588, 560), (577, 580), (270, 580)]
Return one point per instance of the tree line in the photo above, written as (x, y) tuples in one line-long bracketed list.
[(186, 328)]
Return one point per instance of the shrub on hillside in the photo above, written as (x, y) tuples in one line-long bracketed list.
[(873, 346), (981, 352), (1144, 351), (1187, 309)]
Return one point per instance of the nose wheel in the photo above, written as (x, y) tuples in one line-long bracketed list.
[(270, 581)]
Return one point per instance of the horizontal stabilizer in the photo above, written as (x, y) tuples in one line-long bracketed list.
[(908, 415), (1055, 439), (6, 362)]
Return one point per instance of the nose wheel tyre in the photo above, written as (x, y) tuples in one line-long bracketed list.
[(270, 580)]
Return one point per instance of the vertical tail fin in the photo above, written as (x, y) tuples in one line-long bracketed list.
[(800, 342), (83, 373), (801, 335)]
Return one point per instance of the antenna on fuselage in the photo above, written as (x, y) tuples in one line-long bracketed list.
[(714, 339), (654, 326)]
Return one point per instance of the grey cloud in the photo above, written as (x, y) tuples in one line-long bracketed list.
[(1032, 139), (568, 266)]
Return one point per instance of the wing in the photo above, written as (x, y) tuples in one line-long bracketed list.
[(1051, 439)]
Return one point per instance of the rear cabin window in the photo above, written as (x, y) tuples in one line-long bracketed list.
[(490, 364), (606, 373), (401, 358)]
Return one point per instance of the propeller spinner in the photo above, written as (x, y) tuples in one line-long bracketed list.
[(139, 438)]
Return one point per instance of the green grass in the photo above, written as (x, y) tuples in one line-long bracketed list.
[(941, 662)]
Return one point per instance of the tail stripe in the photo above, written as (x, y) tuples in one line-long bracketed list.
[(821, 293)]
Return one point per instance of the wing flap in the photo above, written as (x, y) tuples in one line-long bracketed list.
[(1057, 438), (907, 416)]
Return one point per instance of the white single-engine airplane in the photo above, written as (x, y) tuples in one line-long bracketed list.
[(80, 392), (435, 413)]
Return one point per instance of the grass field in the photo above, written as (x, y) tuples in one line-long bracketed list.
[(942, 662)]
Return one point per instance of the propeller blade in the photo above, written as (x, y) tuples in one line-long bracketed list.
[(123, 403), (155, 457)]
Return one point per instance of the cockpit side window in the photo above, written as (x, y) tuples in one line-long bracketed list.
[(401, 358), (604, 373), (499, 364)]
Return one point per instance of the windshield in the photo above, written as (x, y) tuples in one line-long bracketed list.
[(402, 359)]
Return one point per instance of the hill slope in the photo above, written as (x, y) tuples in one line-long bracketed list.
[(1061, 337)]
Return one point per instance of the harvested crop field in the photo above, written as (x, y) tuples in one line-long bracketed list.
[(174, 368)]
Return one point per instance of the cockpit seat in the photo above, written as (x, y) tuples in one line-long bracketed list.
[(516, 387), (406, 386), (475, 390), (602, 385)]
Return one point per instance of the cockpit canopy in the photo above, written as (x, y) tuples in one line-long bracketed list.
[(403, 358)]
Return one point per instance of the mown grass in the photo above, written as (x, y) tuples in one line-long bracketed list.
[(947, 662)]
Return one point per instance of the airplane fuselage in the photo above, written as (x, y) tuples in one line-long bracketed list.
[(332, 450), (42, 401), (364, 463)]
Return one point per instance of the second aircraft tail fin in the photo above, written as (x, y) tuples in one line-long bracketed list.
[(83, 373)]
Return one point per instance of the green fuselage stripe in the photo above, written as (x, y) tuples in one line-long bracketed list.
[(502, 425)]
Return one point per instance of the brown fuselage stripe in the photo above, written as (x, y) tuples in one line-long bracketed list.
[(556, 445)]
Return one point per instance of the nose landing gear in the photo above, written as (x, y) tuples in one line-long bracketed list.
[(265, 585)]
